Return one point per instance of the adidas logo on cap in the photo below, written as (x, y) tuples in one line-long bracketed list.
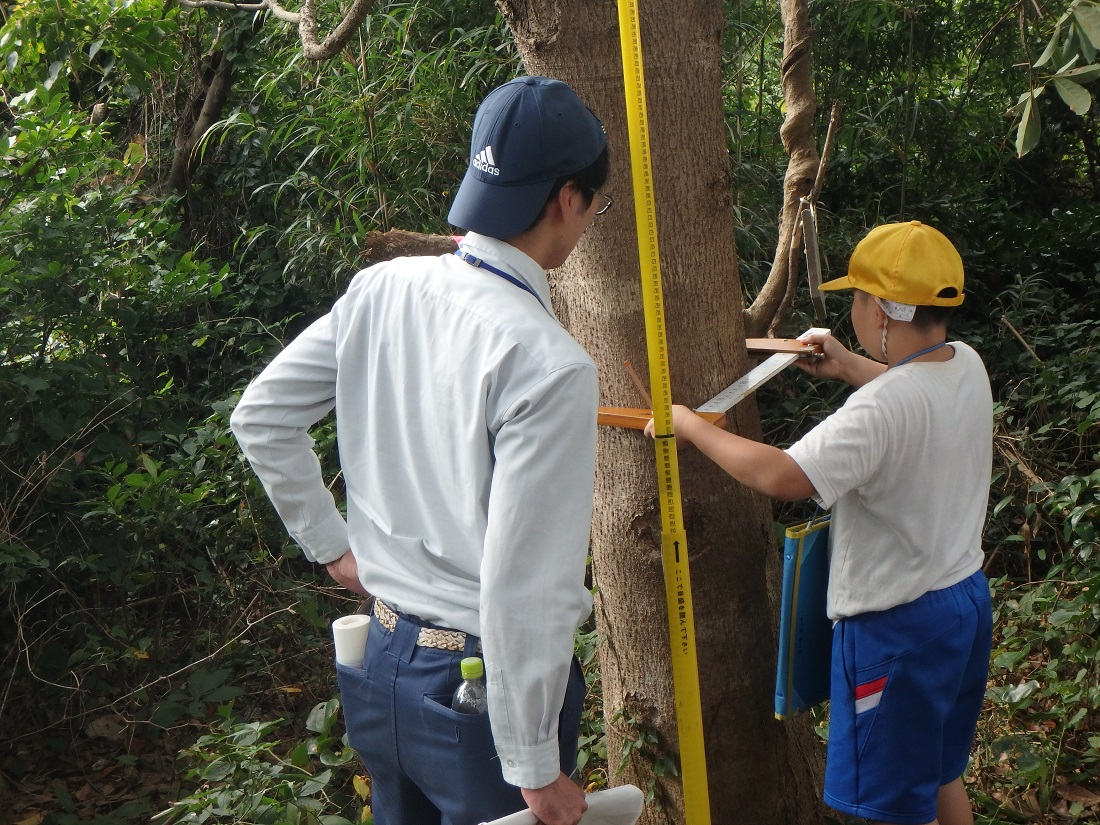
[(485, 162)]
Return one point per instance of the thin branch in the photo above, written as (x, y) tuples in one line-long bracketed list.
[(30, 486), (276, 10), (209, 657), (826, 152), (1008, 325), (213, 655), (1008, 450), (307, 29)]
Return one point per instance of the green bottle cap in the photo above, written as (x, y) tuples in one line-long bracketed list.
[(472, 668)]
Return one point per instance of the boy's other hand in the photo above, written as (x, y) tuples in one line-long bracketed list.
[(832, 364), (839, 362)]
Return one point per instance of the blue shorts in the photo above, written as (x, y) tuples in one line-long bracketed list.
[(429, 764), (907, 689)]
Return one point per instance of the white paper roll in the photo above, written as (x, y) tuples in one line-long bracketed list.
[(350, 635)]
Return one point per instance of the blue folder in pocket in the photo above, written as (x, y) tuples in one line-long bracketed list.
[(805, 631)]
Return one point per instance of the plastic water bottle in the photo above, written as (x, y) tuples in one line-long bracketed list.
[(471, 696)]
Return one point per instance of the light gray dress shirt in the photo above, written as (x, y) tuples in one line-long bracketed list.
[(466, 421)]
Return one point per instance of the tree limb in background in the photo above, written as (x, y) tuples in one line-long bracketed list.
[(306, 19), (396, 243), (797, 134), (807, 212), (207, 100)]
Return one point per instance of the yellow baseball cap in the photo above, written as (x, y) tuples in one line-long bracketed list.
[(908, 263)]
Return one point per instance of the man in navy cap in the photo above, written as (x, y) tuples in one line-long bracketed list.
[(466, 417)]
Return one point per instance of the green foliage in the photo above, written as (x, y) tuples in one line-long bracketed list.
[(372, 140), (142, 567), (921, 89), (1068, 65), (1039, 741), (242, 773), (1044, 358), (106, 310), (644, 747), (124, 498), (101, 51), (592, 745)]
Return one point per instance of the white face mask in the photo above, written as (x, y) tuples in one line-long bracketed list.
[(899, 312)]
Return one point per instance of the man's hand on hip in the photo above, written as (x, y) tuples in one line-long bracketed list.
[(346, 573), (559, 803)]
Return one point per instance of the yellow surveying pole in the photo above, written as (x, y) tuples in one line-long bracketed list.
[(674, 555)]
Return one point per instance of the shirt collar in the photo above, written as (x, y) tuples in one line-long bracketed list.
[(507, 257)]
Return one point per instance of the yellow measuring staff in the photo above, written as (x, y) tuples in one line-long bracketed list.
[(674, 555)]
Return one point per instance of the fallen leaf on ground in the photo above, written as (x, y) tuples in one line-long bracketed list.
[(1075, 793)]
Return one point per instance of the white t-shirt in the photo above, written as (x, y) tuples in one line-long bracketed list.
[(906, 465)]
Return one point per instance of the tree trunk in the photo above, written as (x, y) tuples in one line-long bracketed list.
[(208, 96), (760, 770), (207, 100)]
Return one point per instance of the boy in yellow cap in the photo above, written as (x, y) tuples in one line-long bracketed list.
[(905, 466)]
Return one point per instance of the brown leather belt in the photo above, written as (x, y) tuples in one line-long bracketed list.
[(434, 637)]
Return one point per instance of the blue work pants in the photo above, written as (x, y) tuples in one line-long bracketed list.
[(428, 764)]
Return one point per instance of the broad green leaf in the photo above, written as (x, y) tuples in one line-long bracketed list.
[(1087, 16), (1069, 65), (1077, 98), (1062, 617), (1029, 95), (1007, 661), (1027, 135), (317, 717), (1052, 46), (1083, 74), (315, 784)]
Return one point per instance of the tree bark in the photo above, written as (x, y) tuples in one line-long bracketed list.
[(760, 770)]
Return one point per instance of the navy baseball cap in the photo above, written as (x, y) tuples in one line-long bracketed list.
[(527, 134)]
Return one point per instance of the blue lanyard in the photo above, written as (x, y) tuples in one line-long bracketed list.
[(512, 279), (909, 358)]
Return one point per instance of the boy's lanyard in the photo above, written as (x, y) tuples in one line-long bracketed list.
[(909, 358), (512, 279)]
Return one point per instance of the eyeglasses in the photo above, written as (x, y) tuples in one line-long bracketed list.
[(607, 203)]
